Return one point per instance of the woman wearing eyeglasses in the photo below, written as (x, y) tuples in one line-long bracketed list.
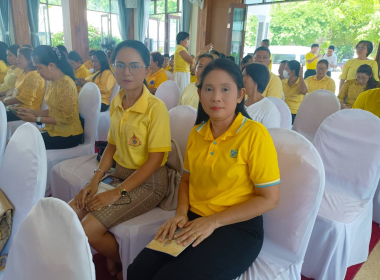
[(139, 142), (363, 50)]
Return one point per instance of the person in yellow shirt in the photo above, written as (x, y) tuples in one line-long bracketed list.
[(352, 89), (193, 77), (63, 128), (363, 50), (294, 86), (88, 64), (81, 72), (321, 80), (29, 87), (166, 61), (274, 88), (13, 71), (281, 69), (369, 101), (182, 61), (139, 142), (157, 75), (231, 177), (3, 61), (311, 61), (190, 95), (103, 78)]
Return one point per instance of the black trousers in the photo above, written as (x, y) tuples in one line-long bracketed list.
[(225, 254), (103, 107), (328, 74), (58, 142), (12, 117), (309, 72)]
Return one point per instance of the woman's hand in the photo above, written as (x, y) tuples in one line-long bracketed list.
[(26, 117), (23, 110), (344, 106), (81, 82), (300, 74), (170, 226), (103, 199), (80, 200)]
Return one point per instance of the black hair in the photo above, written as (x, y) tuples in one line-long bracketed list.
[(368, 44), (3, 52), (27, 46), (62, 48), (207, 55), (182, 36), (266, 41), (332, 47), (46, 55), (92, 52), (157, 57), (172, 56), (246, 59), (166, 55), (215, 52), (103, 61), (366, 69), (13, 49), (262, 49), (231, 69), (314, 45), (294, 65), (230, 57), (74, 56), (325, 62), (284, 61), (259, 74), (27, 53)]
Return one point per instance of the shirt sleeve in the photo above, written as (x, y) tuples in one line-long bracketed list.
[(106, 83), (160, 79), (67, 97), (307, 83), (343, 93), (274, 87), (346, 67), (375, 69), (186, 164), (360, 101), (111, 140), (335, 61), (159, 139), (29, 92), (331, 86)]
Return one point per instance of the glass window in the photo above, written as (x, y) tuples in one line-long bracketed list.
[(172, 6), (277, 58), (160, 6), (50, 24)]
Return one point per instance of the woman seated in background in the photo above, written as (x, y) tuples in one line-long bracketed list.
[(3, 61), (81, 72), (259, 108), (353, 88), (190, 94), (294, 86), (157, 75), (88, 63), (63, 128), (363, 50), (103, 78), (166, 62), (139, 142), (321, 80), (13, 71), (29, 87), (231, 177)]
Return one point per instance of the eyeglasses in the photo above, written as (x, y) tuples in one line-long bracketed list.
[(360, 48), (134, 68), (321, 69)]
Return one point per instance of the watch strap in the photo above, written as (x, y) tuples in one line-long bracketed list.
[(39, 121)]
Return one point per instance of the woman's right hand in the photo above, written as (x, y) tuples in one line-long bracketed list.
[(86, 193), (170, 227), (23, 110)]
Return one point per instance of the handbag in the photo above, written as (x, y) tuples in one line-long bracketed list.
[(6, 218)]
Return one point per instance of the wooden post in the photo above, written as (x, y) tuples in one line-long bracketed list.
[(20, 22), (202, 25)]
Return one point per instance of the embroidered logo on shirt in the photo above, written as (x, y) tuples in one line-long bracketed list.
[(234, 153), (152, 82), (134, 141)]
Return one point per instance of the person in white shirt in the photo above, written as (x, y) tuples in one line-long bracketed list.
[(331, 58), (259, 108)]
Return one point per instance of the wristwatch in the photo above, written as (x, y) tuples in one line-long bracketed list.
[(97, 169), (123, 192), (38, 122)]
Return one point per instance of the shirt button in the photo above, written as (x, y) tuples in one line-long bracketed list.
[(214, 143), (212, 153)]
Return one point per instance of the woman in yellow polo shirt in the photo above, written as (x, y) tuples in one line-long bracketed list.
[(63, 128), (182, 61), (157, 74), (321, 80), (139, 142), (294, 86), (29, 87), (369, 101), (81, 72), (353, 88), (3, 61), (231, 177), (13, 70)]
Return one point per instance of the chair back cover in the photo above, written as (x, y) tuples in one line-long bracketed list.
[(288, 227), (51, 244), (23, 177), (169, 92), (3, 131), (170, 75), (314, 109), (182, 120), (349, 144), (89, 108), (114, 92), (283, 108)]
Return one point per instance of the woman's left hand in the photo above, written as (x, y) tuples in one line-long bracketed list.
[(26, 117), (102, 199), (198, 230)]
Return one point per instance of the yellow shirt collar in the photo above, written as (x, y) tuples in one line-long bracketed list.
[(141, 104)]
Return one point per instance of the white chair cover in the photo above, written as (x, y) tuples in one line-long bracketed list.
[(104, 118), (314, 109), (170, 93), (349, 144), (51, 244), (170, 75), (3, 131), (23, 177), (288, 227), (91, 70), (182, 120), (283, 108), (89, 108), (376, 205)]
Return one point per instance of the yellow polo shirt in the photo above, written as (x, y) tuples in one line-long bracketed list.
[(369, 101), (313, 65), (225, 171), (81, 72), (190, 96), (271, 62), (350, 91), (88, 64), (155, 80), (193, 79), (180, 65), (141, 129), (3, 71), (326, 82), (351, 66), (105, 82), (168, 68), (292, 96), (274, 87)]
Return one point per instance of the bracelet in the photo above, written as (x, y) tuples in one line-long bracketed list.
[(97, 169)]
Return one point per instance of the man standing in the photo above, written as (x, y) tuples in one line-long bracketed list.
[(331, 58), (311, 61), (266, 43)]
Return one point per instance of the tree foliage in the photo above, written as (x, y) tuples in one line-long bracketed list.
[(251, 31)]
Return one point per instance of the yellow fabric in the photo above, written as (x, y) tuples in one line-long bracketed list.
[(81, 73), (292, 96), (105, 83), (141, 129), (31, 88), (193, 79), (168, 68), (10, 79), (369, 101), (271, 62), (225, 171), (88, 64), (351, 90), (155, 80), (190, 96), (111, 67), (326, 82), (62, 99), (349, 69), (3, 71), (180, 65), (274, 87), (313, 65)]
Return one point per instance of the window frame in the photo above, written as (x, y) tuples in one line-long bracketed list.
[(47, 4)]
